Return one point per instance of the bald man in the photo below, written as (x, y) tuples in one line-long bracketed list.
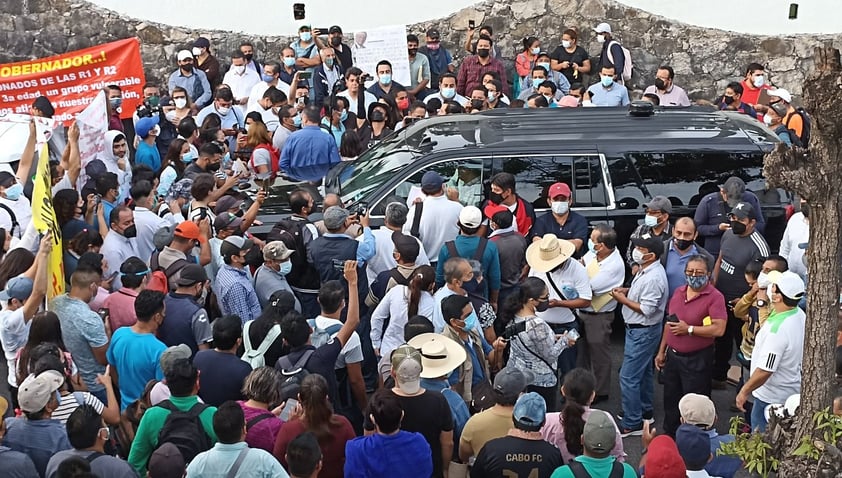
[(679, 249)]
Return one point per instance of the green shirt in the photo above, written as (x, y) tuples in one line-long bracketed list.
[(146, 438), (596, 467)]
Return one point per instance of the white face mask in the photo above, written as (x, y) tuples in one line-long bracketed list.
[(197, 51), (566, 43), (180, 103), (759, 81), (767, 119), (223, 110), (560, 207), (239, 69), (763, 280), (637, 256), (600, 38), (171, 116)]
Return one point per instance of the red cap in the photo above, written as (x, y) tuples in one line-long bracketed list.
[(663, 459), (559, 189), (491, 209), (188, 230)]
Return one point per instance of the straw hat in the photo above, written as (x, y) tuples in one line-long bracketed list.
[(549, 253), (439, 354)]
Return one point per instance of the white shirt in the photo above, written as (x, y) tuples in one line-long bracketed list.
[(147, 223), (438, 222), (779, 348), (115, 250), (270, 119), (22, 209), (14, 332), (457, 98), (571, 273), (352, 351), (369, 100), (395, 307), (611, 274), (797, 231), (699, 474), (241, 85), (280, 137), (383, 260), (260, 88)]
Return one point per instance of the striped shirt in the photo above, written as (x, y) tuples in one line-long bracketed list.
[(736, 253), (71, 401)]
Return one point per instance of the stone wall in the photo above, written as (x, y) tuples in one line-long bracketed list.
[(704, 59)]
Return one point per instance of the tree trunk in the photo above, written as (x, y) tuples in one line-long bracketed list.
[(817, 177)]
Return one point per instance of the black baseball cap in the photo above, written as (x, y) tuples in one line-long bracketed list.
[(650, 243), (335, 29)]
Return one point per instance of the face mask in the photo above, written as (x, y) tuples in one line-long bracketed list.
[(650, 221), (377, 116), (637, 256), (535, 51), (187, 157), (759, 81), (343, 116), (154, 100), (412, 51), (286, 268), (767, 119), (545, 66), (385, 79), (115, 103), (403, 104), (696, 282), (600, 38), (738, 228), (240, 69), (763, 280), (214, 166), (728, 99), (223, 110), (560, 207), (130, 232), (492, 95), (476, 104), (329, 62), (607, 81), (683, 244), (591, 246), (566, 43), (171, 116), (248, 57), (659, 84), (107, 433), (542, 306), (536, 82), (188, 67), (180, 103), (13, 192), (296, 120), (448, 92), (155, 131), (496, 198), (289, 61), (306, 36), (470, 322), (226, 159), (336, 41), (201, 296), (267, 78), (805, 210)]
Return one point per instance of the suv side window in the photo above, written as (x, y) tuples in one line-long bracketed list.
[(628, 189), (535, 174)]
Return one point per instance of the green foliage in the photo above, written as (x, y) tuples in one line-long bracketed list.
[(751, 448), (828, 428)]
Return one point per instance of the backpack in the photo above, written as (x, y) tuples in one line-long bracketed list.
[(159, 279), (579, 471), (322, 336), (806, 128), (291, 233), (793, 138), (13, 220), (478, 253), (628, 66), (252, 356), (184, 430), (275, 156), (293, 374)]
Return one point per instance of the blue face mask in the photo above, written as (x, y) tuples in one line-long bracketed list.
[(385, 79), (536, 82), (607, 81), (187, 157), (267, 78), (286, 268), (226, 159), (13, 193), (329, 62), (448, 93), (306, 36), (591, 246), (696, 282), (296, 120), (470, 322), (289, 61), (343, 116), (650, 221)]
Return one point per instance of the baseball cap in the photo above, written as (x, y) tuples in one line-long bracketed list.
[(187, 230), (225, 203), (530, 411), (743, 210), (511, 382), (335, 217), (234, 245), (470, 217), (180, 189), (433, 34), (663, 459), (603, 28), (145, 125), (305, 26), (191, 274), (406, 363), (780, 93), (789, 284), (650, 242), (568, 101), (202, 42), (697, 409), (734, 188), (558, 189), (659, 203), (166, 462), (276, 251), (19, 288), (407, 246), (225, 220), (185, 55), (491, 209), (43, 103), (95, 168), (175, 352), (431, 182), (693, 445), (35, 391), (335, 29), (599, 432)]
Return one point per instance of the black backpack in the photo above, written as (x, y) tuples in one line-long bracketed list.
[(806, 128), (184, 430), (291, 233), (292, 374), (579, 471)]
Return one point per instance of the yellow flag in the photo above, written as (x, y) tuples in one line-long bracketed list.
[(44, 219)]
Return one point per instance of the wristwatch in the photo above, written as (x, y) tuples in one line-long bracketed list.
[(690, 330)]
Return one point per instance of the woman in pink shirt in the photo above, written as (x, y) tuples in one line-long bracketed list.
[(262, 393), (134, 274)]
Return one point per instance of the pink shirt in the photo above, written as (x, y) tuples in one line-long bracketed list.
[(263, 433), (553, 432), (120, 307)]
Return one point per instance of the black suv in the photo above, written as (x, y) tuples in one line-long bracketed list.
[(614, 160)]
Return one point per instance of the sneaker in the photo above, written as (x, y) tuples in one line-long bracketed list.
[(631, 432), (648, 416)]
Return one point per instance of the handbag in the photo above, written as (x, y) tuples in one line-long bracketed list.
[(482, 395)]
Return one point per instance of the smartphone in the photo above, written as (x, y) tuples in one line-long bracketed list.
[(672, 318), (298, 11), (98, 199), (103, 314), (305, 75), (322, 31), (339, 265), (471, 24), (288, 408)]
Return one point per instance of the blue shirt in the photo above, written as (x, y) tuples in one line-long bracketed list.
[(676, 264), (148, 155), (197, 86), (466, 246), (575, 227), (38, 439), (137, 359), (337, 132), (17, 464), (236, 294), (309, 153), (383, 455), (217, 461), (616, 95), (82, 330), (478, 374)]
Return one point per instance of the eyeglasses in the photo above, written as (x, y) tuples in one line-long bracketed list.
[(696, 273)]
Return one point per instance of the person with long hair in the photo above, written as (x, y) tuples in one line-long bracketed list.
[(263, 154), (172, 167), (261, 407), (314, 413), (45, 328), (88, 240), (183, 106), (68, 206), (534, 345), (564, 429), (525, 61), (280, 303), (350, 146), (15, 263), (398, 305), (5, 242)]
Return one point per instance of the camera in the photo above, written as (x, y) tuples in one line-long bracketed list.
[(146, 110), (298, 11), (512, 330)]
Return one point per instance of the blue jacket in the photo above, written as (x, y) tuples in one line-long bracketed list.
[(309, 153), (321, 83), (713, 210)]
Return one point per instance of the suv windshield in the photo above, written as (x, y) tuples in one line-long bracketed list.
[(373, 168)]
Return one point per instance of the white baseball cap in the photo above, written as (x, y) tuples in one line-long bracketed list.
[(184, 55), (603, 28), (780, 93)]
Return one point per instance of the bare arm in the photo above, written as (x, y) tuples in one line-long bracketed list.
[(466, 451), (73, 164), (220, 191), (251, 214), (99, 353), (39, 287), (355, 378), (204, 246), (28, 155), (111, 412), (446, 439), (353, 317), (468, 41), (715, 275)]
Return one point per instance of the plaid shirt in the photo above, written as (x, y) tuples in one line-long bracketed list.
[(471, 71), (236, 294), (538, 340)]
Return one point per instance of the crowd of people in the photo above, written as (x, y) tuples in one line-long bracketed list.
[(453, 341)]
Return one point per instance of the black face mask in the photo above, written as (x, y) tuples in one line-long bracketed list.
[(336, 41), (738, 228), (542, 306), (130, 232), (412, 51), (483, 52), (683, 244), (248, 57), (496, 198), (805, 210), (477, 104), (377, 116), (728, 99), (213, 166), (187, 67), (659, 84), (239, 213)]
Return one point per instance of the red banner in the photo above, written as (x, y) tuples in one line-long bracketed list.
[(72, 80)]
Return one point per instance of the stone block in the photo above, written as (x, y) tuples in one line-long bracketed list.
[(528, 9)]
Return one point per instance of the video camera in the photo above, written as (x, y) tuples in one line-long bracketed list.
[(146, 110)]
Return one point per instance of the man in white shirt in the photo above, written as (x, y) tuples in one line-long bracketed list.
[(383, 260), (439, 215), (797, 233), (120, 243), (355, 88), (240, 79), (270, 77), (13, 202), (146, 222), (606, 271), (447, 91), (268, 106), (778, 349), (568, 286)]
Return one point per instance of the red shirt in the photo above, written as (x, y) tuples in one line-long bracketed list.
[(709, 303), (120, 307), (471, 72), (750, 93), (333, 451)]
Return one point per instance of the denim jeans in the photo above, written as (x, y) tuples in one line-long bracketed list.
[(567, 359), (637, 385), (758, 415)]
